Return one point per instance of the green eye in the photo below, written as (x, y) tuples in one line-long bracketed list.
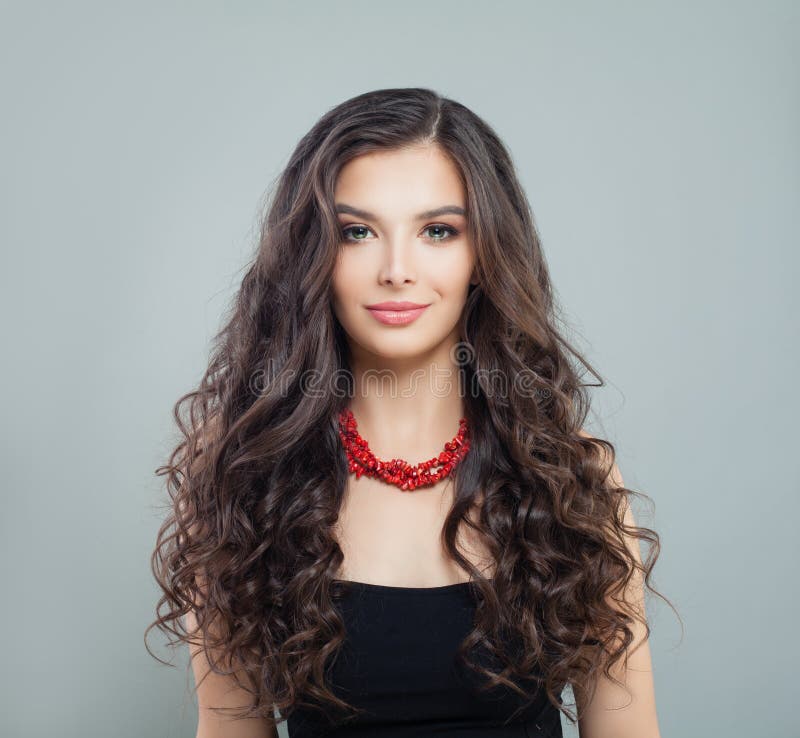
[(347, 230), (441, 227), (444, 232)]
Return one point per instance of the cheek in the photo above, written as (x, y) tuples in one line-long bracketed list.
[(451, 275), (340, 273), (339, 298), (346, 282)]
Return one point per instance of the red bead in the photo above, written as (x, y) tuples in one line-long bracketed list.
[(399, 472)]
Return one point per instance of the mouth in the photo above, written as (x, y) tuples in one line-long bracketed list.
[(396, 313), (392, 305)]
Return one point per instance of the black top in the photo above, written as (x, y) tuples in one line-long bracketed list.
[(397, 662)]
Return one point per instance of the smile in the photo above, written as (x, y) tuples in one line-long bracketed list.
[(397, 317)]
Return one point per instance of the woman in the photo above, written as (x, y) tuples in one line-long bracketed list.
[(386, 517)]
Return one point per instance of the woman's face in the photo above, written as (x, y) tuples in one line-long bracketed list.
[(404, 239)]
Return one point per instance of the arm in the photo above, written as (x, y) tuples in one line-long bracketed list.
[(218, 690), (614, 712)]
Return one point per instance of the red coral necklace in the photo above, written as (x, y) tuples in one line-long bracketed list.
[(400, 472)]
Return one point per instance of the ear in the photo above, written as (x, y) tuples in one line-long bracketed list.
[(474, 279)]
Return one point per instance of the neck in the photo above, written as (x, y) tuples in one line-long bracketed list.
[(408, 408)]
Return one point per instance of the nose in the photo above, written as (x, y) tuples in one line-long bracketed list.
[(397, 266)]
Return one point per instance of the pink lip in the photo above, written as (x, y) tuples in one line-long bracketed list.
[(396, 313), (392, 305)]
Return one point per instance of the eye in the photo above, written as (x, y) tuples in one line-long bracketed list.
[(440, 227), (442, 232), (346, 231)]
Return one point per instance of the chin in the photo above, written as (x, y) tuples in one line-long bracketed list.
[(397, 347), (397, 344)]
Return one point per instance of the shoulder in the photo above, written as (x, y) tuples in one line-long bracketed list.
[(218, 690), (629, 711), (614, 474), (624, 512)]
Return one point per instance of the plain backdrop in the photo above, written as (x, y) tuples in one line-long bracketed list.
[(658, 144)]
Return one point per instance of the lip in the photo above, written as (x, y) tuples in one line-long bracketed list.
[(392, 305), (396, 313)]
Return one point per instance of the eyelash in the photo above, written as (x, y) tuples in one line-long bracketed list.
[(449, 229)]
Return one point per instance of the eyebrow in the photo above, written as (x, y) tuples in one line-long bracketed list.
[(444, 210)]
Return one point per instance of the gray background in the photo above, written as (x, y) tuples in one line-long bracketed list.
[(658, 145)]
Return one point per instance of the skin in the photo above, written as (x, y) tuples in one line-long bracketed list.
[(614, 712), (388, 536)]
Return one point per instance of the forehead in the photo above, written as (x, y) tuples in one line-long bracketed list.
[(410, 179)]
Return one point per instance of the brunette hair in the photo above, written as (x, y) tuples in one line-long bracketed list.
[(256, 480)]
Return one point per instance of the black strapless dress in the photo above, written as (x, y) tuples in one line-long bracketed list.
[(398, 663)]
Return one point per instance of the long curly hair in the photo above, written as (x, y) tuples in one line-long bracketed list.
[(256, 480)]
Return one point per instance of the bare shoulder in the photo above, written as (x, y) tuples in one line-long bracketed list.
[(215, 690), (221, 691), (615, 712)]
